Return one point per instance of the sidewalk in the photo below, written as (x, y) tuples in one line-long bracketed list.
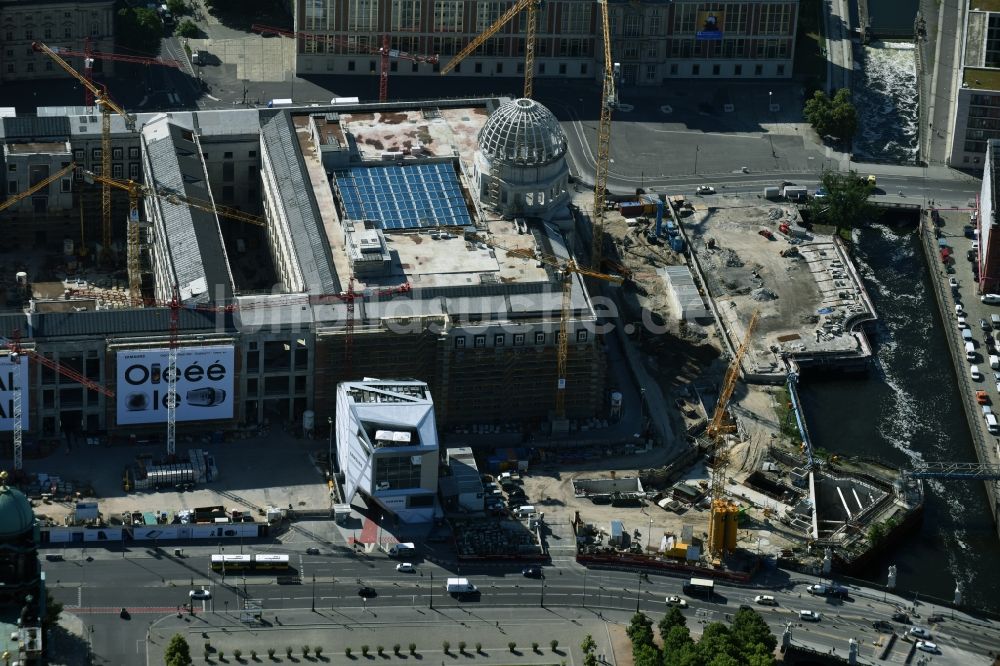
[(335, 630)]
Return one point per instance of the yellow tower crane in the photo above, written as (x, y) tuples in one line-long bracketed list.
[(10, 201), (567, 268), (722, 511), (529, 40), (609, 100), (135, 190), (107, 106)]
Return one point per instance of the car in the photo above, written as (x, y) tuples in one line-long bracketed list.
[(975, 245), (677, 601), (705, 189), (927, 646), (871, 180), (937, 617), (201, 594), (124, 614), (765, 600), (820, 193), (312, 551), (984, 325), (982, 398), (970, 255), (54, 557), (405, 567), (810, 615), (920, 632), (900, 616), (974, 373), (366, 592), (818, 588), (953, 282), (958, 310), (962, 323), (882, 625), (531, 572)]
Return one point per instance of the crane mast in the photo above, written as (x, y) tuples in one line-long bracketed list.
[(609, 100)]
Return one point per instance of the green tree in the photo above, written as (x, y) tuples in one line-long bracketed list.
[(138, 29), (52, 610), (178, 652), (716, 644), (588, 645), (752, 634), (678, 648), (673, 618), (834, 117), (177, 7), (238, 654), (846, 203), (187, 28)]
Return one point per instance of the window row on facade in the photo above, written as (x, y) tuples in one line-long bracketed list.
[(516, 339)]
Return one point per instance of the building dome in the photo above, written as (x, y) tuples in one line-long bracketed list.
[(16, 516), (522, 133)]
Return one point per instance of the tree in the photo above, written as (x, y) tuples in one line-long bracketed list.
[(461, 647), (187, 28), (347, 653), (238, 654), (554, 644), (717, 643), (835, 117), (395, 649), (52, 610), (364, 650), (846, 203), (306, 650), (178, 652), (271, 651), (138, 29), (318, 651), (445, 645), (177, 7), (479, 648), (512, 646), (412, 647), (673, 618), (588, 645), (752, 634)]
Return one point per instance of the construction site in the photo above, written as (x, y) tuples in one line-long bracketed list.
[(255, 260)]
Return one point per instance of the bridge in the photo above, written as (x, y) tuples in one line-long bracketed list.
[(953, 470)]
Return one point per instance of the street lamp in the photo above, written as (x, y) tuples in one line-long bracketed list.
[(314, 594), (432, 589), (697, 149), (770, 108), (542, 600), (585, 572), (329, 448), (649, 533), (638, 593)]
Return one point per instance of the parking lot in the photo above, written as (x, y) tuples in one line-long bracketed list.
[(967, 319)]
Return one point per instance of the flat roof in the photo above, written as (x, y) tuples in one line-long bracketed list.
[(984, 6), (980, 78)]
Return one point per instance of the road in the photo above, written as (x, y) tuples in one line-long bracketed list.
[(151, 587)]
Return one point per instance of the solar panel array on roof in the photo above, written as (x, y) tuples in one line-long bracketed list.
[(403, 197)]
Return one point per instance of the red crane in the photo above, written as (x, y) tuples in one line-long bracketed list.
[(13, 345), (90, 56), (385, 52), (349, 297)]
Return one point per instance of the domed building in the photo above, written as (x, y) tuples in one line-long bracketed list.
[(21, 587), (520, 167)]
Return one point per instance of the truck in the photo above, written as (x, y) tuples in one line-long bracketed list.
[(402, 549), (704, 586), (277, 103), (460, 586), (795, 193), (772, 193)]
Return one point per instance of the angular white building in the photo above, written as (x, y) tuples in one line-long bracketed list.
[(387, 445)]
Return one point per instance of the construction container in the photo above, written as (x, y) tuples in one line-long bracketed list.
[(732, 528), (772, 193), (718, 526)]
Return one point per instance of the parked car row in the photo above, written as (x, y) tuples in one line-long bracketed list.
[(990, 331)]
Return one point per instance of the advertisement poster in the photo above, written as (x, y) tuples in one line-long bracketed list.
[(204, 384), (710, 25), (13, 375)]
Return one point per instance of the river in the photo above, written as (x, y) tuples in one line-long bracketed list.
[(909, 408)]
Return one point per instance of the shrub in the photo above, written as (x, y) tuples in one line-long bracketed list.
[(534, 646), (364, 650), (305, 650), (253, 655), (288, 651), (222, 655), (318, 651), (413, 648), (461, 647), (186, 28), (554, 643), (270, 653), (512, 646), (238, 653), (380, 650), (395, 648), (446, 646), (347, 652), (479, 648)]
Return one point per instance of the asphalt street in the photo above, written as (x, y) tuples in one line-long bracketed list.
[(154, 584)]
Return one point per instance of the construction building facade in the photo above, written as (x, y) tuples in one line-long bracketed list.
[(654, 40), (373, 256)]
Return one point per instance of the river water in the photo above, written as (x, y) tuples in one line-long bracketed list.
[(909, 408), (885, 95)]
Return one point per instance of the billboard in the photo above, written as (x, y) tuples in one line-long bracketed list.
[(204, 384), (710, 25), (13, 375)]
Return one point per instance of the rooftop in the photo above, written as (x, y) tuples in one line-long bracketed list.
[(980, 78)]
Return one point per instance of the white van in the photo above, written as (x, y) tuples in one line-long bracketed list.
[(970, 351), (524, 511), (995, 321), (967, 335), (991, 423), (995, 361), (992, 299)]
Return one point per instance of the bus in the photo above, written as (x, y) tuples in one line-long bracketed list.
[(230, 563), (270, 561), (704, 586)]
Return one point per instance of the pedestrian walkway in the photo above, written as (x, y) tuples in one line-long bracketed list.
[(486, 637)]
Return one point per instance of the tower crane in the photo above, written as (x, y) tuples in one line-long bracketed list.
[(529, 41), (90, 56), (10, 201), (107, 106), (135, 190), (566, 268), (16, 351), (609, 100), (716, 433), (385, 52)]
